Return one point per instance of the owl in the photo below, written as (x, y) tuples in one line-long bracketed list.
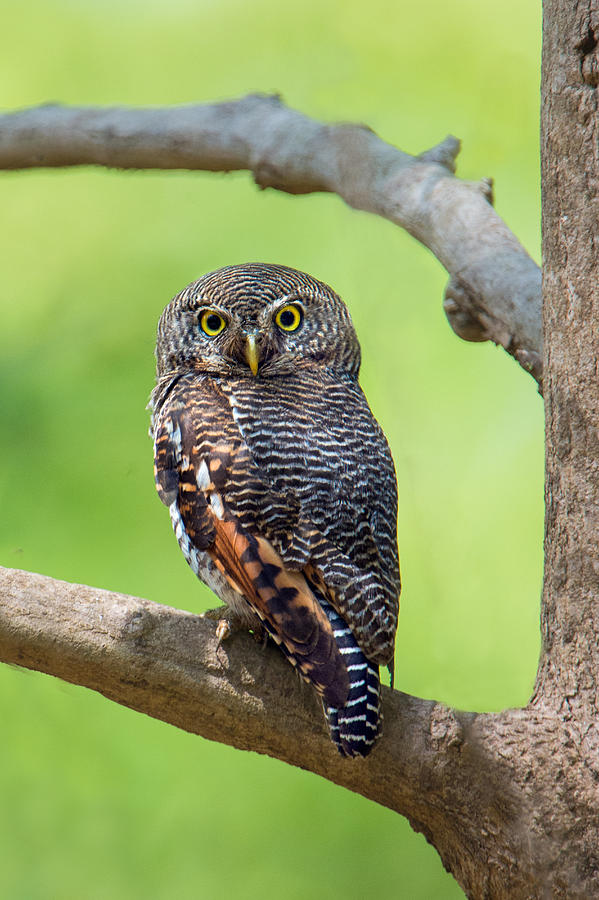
[(279, 481)]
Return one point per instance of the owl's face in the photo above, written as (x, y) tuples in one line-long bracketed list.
[(256, 320)]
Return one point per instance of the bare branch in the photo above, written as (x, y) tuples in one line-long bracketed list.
[(167, 663), (457, 776), (499, 284)]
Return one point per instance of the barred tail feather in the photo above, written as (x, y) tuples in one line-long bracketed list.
[(354, 727)]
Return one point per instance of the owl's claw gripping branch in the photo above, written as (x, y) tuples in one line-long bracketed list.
[(223, 630)]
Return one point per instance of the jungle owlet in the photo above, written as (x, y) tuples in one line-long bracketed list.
[(279, 481)]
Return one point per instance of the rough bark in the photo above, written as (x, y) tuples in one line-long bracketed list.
[(451, 773), (494, 292), (510, 800)]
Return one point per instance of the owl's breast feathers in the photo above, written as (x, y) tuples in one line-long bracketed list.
[(246, 477)]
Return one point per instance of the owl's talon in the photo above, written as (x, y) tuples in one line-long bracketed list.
[(228, 623), (223, 631)]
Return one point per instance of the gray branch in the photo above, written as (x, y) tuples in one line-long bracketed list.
[(494, 291), (457, 776)]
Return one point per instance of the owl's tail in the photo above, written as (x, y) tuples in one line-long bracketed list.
[(354, 727)]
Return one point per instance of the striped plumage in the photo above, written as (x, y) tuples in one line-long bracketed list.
[(279, 481)]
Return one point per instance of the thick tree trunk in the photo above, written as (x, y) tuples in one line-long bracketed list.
[(567, 679)]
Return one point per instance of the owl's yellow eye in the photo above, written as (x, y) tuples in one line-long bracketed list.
[(211, 323), (289, 318)]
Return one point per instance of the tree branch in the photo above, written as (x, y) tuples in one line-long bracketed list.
[(457, 776), (167, 663), (495, 288)]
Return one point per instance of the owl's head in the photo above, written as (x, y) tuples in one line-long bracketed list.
[(256, 320)]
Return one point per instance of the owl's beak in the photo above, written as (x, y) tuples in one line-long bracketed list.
[(252, 353)]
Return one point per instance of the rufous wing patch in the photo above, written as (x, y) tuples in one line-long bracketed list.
[(283, 601)]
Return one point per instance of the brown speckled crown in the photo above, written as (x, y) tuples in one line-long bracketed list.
[(248, 290)]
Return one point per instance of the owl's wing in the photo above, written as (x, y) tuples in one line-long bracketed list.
[(368, 605), (314, 437), (203, 471)]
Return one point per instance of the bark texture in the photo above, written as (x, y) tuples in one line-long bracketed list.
[(510, 800), (450, 772), (495, 288), (567, 679)]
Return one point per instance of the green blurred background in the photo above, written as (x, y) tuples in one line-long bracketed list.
[(97, 801)]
